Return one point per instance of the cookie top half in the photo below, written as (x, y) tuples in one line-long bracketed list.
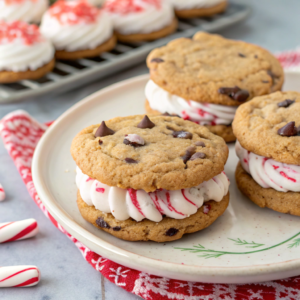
[(210, 68), (269, 126), (139, 153)]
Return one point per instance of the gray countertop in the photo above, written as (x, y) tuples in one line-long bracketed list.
[(274, 24)]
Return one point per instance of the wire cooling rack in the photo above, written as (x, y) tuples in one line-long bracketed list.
[(70, 74)]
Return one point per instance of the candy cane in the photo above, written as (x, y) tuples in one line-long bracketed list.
[(2, 193), (13, 231), (19, 276)]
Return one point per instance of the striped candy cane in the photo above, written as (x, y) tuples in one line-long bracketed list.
[(19, 276), (13, 231), (2, 193)]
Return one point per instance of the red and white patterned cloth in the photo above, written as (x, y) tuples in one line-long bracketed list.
[(21, 133)]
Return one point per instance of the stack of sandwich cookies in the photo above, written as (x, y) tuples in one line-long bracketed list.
[(150, 179), (206, 78), (24, 52), (268, 142), (30, 11), (78, 29), (198, 8), (141, 20)]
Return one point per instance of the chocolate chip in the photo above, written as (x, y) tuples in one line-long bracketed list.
[(255, 56), (101, 223), (198, 155), (188, 153), (171, 231), (272, 75), (242, 55), (234, 93), (146, 123), (182, 135), (100, 142), (157, 60), (200, 143), (103, 130), (285, 103), (265, 81), (288, 130), (117, 228), (131, 160), (298, 130)]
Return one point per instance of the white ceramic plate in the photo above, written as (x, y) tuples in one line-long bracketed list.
[(246, 244)]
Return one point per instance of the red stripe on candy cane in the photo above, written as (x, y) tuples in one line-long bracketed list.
[(6, 225), (28, 282)]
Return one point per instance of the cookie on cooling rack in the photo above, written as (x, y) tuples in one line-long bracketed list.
[(198, 8), (141, 20), (206, 78), (78, 30), (152, 179), (268, 143), (24, 52)]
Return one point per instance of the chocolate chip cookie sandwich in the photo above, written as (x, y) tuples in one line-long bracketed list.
[(24, 52), (198, 8), (141, 20), (268, 143), (206, 78), (77, 29), (155, 179)]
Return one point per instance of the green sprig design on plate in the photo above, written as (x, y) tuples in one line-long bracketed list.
[(295, 243), (211, 253), (240, 242)]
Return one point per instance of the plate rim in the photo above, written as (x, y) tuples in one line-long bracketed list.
[(216, 274)]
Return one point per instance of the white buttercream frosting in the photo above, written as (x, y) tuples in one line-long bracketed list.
[(23, 48), (190, 4), (139, 16), (269, 173), (30, 11), (201, 113), (139, 205), (80, 35)]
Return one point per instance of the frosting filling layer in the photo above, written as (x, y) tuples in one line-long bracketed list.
[(269, 173), (201, 113), (138, 205), (139, 16), (22, 10)]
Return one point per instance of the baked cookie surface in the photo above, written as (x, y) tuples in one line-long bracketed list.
[(166, 230), (200, 69), (159, 162), (257, 122), (288, 203)]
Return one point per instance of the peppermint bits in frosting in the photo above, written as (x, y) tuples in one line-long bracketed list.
[(74, 12)]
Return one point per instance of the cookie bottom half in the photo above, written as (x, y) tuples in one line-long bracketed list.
[(287, 203), (201, 12), (10, 76), (138, 37), (106, 46), (164, 231), (224, 131)]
